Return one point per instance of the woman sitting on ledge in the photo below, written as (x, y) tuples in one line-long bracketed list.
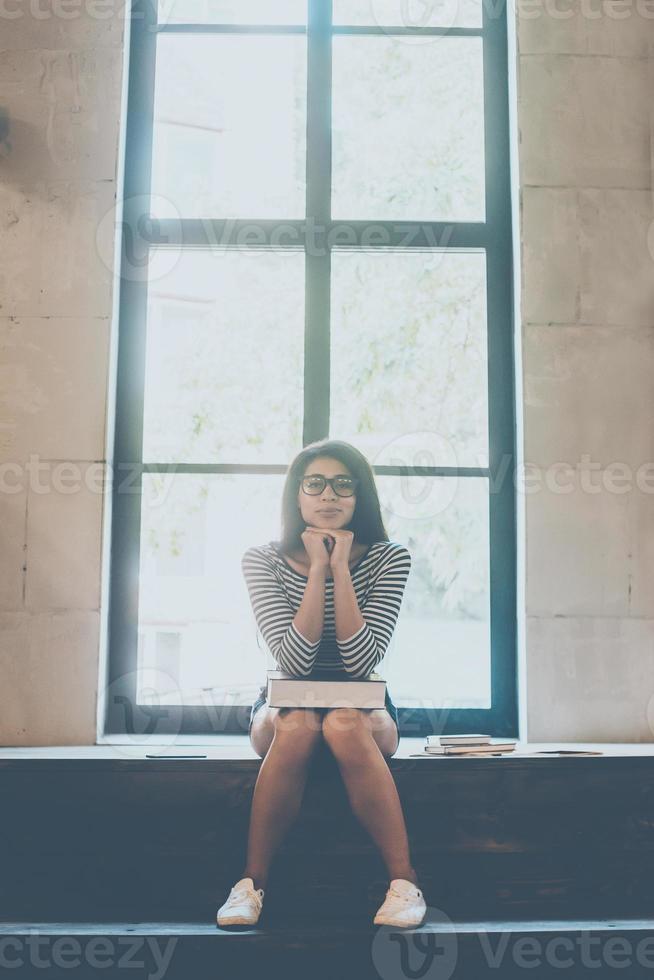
[(308, 593)]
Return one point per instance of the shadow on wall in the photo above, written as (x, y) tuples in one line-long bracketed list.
[(4, 131), (21, 150)]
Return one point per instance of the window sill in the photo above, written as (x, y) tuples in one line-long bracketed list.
[(237, 749)]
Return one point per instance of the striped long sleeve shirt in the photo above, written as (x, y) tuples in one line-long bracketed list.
[(276, 591)]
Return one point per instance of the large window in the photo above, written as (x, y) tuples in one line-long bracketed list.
[(316, 242)]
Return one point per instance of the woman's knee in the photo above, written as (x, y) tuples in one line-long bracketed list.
[(298, 727), (350, 731), (343, 726)]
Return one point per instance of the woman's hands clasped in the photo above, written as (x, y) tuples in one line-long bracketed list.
[(327, 547)]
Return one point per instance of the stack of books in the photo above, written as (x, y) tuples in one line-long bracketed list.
[(322, 690), (468, 744)]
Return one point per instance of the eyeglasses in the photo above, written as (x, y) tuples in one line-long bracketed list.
[(343, 486)]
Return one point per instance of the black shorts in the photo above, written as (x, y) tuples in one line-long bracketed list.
[(261, 700)]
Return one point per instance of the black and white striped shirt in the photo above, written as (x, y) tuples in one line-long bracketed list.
[(276, 591)]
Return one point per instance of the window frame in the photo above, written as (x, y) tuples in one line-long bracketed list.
[(121, 714)]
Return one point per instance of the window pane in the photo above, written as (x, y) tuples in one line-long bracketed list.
[(224, 356), (408, 129), (194, 610), (414, 13), (233, 11), (197, 633), (440, 651), (409, 364), (229, 126)]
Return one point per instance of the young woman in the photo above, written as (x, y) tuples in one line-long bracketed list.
[(326, 598)]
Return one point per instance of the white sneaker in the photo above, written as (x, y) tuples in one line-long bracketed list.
[(403, 905), (243, 905)]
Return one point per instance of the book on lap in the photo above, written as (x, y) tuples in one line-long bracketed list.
[(322, 690)]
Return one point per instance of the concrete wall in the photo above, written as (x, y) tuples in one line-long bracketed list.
[(586, 129), (585, 125), (60, 82)]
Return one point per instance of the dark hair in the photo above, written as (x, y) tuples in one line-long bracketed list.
[(366, 522)]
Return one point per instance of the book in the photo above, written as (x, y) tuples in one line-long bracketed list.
[(486, 749), (284, 690), (463, 739)]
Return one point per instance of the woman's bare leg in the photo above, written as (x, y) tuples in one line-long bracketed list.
[(354, 736), (286, 739)]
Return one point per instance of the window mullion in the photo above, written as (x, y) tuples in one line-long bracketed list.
[(318, 211)]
